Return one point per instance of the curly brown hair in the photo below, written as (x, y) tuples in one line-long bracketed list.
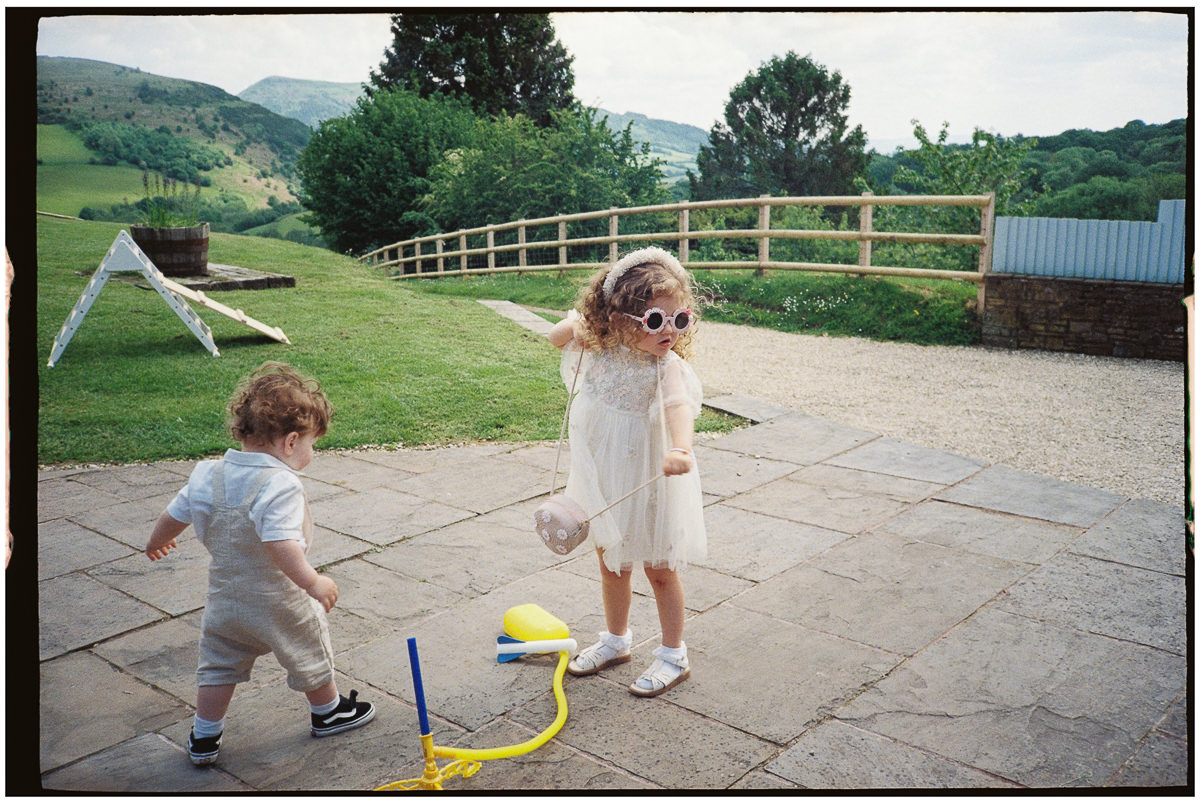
[(604, 325), (276, 400)]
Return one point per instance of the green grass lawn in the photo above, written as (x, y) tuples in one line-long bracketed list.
[(882, 308), (400, 367)]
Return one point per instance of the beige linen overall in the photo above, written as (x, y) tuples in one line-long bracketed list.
[(252, 607)]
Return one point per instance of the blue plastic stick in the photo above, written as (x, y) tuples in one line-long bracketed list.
[(418, 687)]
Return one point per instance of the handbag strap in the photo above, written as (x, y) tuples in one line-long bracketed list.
[(562, 430), (662, 420)]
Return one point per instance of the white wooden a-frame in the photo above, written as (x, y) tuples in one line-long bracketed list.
[(123, 256)]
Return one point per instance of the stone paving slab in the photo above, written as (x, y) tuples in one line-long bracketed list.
[(526, 318), (383, 516), (758, 547), (128, 522), (75, 611), (176, 585), (65, 547), (1102, 597), (795, 438), (837, 756), (900, 489), (62, 496), (736, 681), (1160, 760), (347, 471), (135, 482), (824, 506), (388, 598), (508, 482), (1030, 702), (727, 474), (504, 553), (1013, 491), (125, 768), (886, 591), (118, 707), (1141, 533), (891, 457), (704, 753), (754, 410), (988, 532)]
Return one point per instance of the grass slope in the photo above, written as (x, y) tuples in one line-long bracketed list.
[(90, 90), (400, 367)]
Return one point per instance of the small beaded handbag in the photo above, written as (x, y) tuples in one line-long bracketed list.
[(561, 521)]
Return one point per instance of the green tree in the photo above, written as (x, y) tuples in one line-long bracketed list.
[(362, 175), (785, 132), (989, 164), (518, 170), (1104, 198), (500, 62)]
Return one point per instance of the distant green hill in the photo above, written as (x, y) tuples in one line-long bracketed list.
[(677, 143), (123, 116), (307, 101), (313, 101)]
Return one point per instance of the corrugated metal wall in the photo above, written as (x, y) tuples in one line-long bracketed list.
[(1132, 251)]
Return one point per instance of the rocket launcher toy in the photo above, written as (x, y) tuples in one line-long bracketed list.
[(528, 629)]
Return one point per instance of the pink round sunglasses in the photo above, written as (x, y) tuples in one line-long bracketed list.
[(655, 319)]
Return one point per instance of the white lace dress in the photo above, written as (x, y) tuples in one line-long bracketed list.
[(618, 440)]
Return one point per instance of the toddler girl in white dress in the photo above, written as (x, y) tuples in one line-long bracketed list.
[(632, 419)]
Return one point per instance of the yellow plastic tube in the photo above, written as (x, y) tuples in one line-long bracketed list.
[(504, 751)]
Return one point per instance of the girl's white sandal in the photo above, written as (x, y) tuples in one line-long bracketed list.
[(669, 669), (610, 650)]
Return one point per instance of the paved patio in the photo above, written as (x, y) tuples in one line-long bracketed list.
[(873, 615)]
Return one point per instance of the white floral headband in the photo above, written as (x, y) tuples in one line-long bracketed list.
[(653, 254)]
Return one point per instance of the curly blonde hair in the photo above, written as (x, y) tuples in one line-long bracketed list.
[(652, 272), (276, 400)]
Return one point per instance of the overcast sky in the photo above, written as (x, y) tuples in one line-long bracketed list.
[(1009, 72)]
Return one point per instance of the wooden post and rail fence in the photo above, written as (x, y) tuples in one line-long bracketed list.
[(428, 257)]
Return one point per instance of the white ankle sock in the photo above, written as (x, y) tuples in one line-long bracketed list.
[(325, 709), (676, 656), (620, 643), (207, 728)]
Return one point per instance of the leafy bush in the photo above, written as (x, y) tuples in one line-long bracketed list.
[(158, 150)]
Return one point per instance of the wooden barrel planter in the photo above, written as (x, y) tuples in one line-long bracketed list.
[(175, 250)]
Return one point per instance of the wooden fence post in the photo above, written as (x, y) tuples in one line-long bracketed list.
[(865, 216), (613, 227), (683, 231), (462, 246), (491, 246), (521, 242), (417, 254), (562, 250), (441, 263), (764, 243), (987, 220)]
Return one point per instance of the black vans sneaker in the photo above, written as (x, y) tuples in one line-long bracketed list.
[(350, 714), (203, 750)]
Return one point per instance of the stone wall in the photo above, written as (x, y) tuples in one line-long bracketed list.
[(1088, 316)]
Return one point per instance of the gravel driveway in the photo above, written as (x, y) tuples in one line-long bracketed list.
[(1109, 423)]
